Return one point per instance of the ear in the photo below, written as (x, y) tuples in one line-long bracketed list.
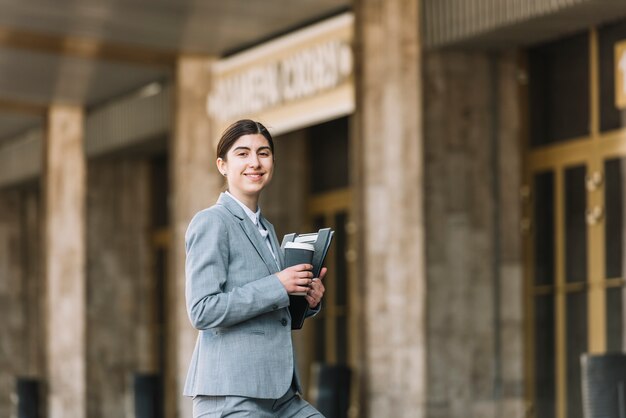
[(221, 165)]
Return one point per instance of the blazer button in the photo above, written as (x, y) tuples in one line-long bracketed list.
[(284, 322)]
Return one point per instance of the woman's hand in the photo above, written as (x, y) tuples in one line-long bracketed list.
[(316, 292), (296, 278)]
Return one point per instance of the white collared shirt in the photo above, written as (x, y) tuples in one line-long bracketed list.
[(254, 217)]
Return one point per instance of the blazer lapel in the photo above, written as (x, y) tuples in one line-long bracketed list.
[(259, 243), (274, 242), (251, 231)]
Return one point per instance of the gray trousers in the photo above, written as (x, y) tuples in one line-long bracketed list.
[(290, 405)]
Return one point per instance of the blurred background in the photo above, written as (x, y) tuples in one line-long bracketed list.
[(470, 155)]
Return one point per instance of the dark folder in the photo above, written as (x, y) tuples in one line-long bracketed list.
[(298, 306)]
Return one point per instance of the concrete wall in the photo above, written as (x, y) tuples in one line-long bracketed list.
[(21, 292), (121, 316), (195, 185), (387, 173), (474, 264)]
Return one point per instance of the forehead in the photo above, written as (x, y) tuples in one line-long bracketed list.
[(252, 141)]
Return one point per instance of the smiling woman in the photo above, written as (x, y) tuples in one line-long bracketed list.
[(237, 295), (247, 161)]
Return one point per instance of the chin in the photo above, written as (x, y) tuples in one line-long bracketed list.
[(257, 188)]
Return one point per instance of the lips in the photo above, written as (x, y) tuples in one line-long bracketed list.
[(254, 176)]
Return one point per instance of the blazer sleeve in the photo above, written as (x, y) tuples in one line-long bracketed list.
[(206, 270)]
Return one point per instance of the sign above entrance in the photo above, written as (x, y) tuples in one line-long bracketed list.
[(620, 75), (300, 69)]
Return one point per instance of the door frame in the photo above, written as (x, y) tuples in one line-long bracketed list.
[(328, 204), (590, 151)]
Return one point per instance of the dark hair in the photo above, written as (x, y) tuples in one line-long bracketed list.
[(239, 129)]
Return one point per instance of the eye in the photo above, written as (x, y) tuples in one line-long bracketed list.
[(264, 153)]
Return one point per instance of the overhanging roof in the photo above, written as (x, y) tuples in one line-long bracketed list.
[(505, 23), (91, 51)]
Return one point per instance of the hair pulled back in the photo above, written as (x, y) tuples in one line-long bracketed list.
[(237, 130)]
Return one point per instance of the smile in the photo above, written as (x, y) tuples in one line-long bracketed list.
[(254, 176)]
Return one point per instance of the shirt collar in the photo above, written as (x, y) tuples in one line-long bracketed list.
[(254, 216)]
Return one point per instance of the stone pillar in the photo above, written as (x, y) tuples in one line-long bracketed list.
[(11, 297), (21, 330), (34, 288), (64, 261), (475, 287), (195, 185), (121, 309), (512, 400), (388, 165)]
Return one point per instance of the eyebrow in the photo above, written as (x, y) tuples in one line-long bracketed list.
[(265, 147)]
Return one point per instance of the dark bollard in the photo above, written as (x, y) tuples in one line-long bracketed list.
[(148, 396), (27, 398), (604, 385), (333, 390)]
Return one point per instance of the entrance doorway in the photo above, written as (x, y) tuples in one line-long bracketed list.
[(331, 335), (574, 215), (310, 191)]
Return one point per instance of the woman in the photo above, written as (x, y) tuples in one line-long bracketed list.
[(237, 295)]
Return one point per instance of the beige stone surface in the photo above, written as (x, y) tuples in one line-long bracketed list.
[(21, 292), (195, 185), (33, 304), (64, 187), (121, 294), (11, 297), (475, 324), (387, 155)]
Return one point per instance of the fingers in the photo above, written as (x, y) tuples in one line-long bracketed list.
[(303, 285), (317, 285), (306, 282), (302, 271), (302, 267), (313, 298), (299, 279), (315, 293), (317, 288)]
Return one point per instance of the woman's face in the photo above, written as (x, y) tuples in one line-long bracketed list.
[(248, 166)]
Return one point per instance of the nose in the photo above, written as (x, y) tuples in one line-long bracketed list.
[(254, 160)]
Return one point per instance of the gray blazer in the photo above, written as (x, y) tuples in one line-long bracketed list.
[(235, 299)]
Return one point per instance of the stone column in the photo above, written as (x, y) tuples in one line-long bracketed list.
[(34, 288), (21, 330), (195, 185), (11, 297), (475, 281), (64, 261), (388, 165), (121, 311)]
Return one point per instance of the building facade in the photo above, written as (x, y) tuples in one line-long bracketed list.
[(468, 154)]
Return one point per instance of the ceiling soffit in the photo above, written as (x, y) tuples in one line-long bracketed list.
[(91, 52), (510, 23)]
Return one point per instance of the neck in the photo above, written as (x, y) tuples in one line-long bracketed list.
[(251, 201)]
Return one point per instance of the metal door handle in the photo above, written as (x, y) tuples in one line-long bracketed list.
[(594, 215)]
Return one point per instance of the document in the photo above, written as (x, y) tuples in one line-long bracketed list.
[(298, 306)]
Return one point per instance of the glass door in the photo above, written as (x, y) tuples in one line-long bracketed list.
[(559, 288), (329, 340), (573, 206), (331, 326), (333, 332)]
